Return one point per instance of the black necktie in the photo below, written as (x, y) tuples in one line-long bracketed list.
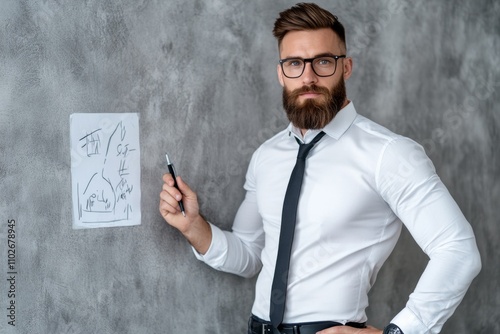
[(288, 217)]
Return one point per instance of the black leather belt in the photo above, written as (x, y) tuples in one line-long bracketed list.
[(259, 326)]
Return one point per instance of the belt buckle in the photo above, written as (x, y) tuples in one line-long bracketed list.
[(267, 329)]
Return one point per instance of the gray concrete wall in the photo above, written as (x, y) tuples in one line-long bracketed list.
[(202, 75)]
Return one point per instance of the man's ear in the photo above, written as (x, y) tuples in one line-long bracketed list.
[(347, 67), (280, 75)]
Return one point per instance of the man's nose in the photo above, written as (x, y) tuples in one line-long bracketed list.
[(308, 76)]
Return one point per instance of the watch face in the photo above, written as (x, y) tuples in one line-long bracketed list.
[(392, 329)]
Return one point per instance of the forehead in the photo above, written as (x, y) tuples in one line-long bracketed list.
[(308, 43)]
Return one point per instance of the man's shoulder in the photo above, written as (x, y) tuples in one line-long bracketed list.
[(379, 140), (374, 129), (388, 144)]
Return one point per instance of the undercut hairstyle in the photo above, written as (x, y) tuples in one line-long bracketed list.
[(307, 16)]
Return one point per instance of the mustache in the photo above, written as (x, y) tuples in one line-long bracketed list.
[(309, 89)]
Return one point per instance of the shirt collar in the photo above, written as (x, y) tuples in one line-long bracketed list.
[(335, 129)]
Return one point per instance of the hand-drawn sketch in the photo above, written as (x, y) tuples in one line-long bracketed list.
[(105, 170)]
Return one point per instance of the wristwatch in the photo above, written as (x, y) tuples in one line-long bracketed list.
[(392, 329)]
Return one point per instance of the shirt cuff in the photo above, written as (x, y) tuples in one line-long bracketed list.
[(217, 252), (409, 323)]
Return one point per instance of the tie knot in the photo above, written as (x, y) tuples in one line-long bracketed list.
[(304, 149)]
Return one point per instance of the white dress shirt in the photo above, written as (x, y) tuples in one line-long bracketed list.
[(361, 181)]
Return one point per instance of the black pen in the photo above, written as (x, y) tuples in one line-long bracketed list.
[(171, 170)]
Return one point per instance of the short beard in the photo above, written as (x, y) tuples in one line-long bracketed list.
[(312, 114)]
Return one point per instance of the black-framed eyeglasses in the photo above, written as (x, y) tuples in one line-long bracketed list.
[(323, 66)]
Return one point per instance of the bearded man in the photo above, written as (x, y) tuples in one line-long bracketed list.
[(325, 202)]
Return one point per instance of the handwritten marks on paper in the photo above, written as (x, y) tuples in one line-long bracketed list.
[(105, 170)]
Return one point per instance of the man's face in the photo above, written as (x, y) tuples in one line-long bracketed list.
[(312, 101)]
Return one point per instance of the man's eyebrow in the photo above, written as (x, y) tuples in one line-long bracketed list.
[(325, 54)]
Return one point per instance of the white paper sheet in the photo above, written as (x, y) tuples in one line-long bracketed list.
[(105, 170)]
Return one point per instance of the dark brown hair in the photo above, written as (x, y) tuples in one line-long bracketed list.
[(306, 16)]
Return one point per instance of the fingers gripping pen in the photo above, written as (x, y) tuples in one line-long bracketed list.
[(171, 170)]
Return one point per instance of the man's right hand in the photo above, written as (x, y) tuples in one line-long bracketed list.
[(194, 228)]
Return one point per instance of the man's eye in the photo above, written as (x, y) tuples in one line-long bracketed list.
[(323, 61), (294, 63)]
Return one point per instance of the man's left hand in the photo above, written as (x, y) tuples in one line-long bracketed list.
[(350, 330)]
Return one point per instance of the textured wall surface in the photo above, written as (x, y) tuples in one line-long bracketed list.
[(202, 75)]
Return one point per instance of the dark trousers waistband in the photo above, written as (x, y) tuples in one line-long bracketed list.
[(259, 326)]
